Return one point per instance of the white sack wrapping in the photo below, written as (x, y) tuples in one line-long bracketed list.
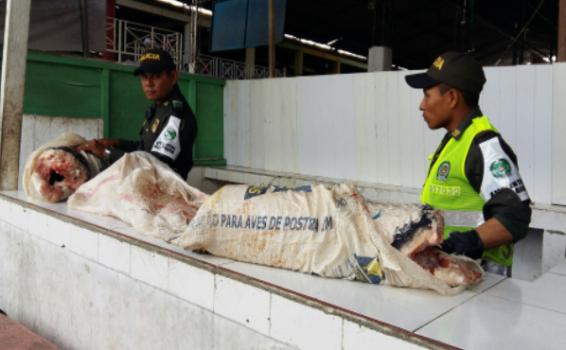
[(142, 191), (312, 229)]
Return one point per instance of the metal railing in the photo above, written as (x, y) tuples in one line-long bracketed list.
[(229, 69), (128, 40)]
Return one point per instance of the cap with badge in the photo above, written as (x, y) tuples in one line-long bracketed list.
[(456, 69), (155, 61)]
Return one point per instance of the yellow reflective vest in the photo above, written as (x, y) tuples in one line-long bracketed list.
[(448, 189)]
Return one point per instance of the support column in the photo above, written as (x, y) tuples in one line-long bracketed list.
[(379, 58), (250, 62), (190, 42), (110, 30), (12, 90), (337, 67), (561, 32), (187, 43), (271, 38), (299, 57)]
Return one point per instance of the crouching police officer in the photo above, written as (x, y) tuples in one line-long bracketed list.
[(169, 128), (473, 175)]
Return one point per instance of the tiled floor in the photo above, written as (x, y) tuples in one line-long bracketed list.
[(498, 313), (546, 292), (559, 269), (405, 308), (490, 322)]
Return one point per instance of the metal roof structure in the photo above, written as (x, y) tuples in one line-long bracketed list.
[(495, 32)]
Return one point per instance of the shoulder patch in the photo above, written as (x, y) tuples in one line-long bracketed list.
[(499, 171), (177, 104), (168, 143)]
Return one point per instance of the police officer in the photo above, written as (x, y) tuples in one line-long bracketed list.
[(473, 175), (169, 128)]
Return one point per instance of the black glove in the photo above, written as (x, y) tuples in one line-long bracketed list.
[(464, 243)]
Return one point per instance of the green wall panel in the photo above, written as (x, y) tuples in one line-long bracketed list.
[(84, 88), (210, 105), (62, 90), (127, 106)]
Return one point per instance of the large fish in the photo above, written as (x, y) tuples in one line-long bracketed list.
[(409, 227), (417, 232), (454, 270), (55, 170)]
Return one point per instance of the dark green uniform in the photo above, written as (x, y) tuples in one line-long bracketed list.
[(168, 132)]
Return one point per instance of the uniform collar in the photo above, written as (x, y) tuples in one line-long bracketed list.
[(173, 94), (457, 133)]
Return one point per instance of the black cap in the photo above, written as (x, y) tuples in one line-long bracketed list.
[(155, 61), (456, 69)]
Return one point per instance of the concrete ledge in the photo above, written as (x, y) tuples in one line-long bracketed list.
[(105, 278)]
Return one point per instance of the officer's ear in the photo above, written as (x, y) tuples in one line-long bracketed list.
[(174, 75), (455, 98)]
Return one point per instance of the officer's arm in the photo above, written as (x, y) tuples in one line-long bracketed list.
[(110, 149), (493, 234), (492, 170)]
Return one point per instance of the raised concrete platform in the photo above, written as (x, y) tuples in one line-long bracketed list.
[(90, 282)]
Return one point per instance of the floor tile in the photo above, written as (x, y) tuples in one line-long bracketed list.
[(547, 291), (358, 337), (192, 284), (405, 308), (149, 267), (560, 268), (114, 253), (489, 322), (303, 326), (242, 303)]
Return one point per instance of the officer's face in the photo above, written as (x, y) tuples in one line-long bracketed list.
[(436, 106), (156, 86)]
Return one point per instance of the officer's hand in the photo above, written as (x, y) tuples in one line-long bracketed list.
[(97, 147), (107, 143), (464, 243)]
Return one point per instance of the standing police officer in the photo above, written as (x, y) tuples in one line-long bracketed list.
[(473, 175), (169, 128)]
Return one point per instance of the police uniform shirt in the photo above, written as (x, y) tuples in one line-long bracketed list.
[(168, 132), (487, 170)]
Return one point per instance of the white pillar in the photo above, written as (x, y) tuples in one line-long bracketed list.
[(561, 56), (190, 37), (379, 58), (12, 89), (250, 62)]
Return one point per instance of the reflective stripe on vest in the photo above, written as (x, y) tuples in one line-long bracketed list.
[(447, 188), (462, 218)]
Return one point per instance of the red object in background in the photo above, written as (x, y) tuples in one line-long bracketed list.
[(110, 13), (14, 336)]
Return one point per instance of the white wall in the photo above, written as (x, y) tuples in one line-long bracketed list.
[(367, 127), (559, 135)]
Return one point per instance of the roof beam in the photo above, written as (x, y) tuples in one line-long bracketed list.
[(203, 20), (323, 54)]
